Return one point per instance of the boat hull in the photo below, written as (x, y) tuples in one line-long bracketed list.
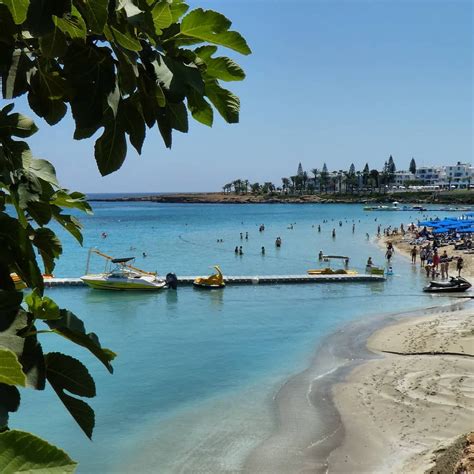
[(101, 283)]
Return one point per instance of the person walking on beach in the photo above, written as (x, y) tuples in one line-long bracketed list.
[(422, 256), (435, 259), (413, 252), (459, 265), (442, 264)]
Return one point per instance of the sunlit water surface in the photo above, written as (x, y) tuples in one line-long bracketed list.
[(196, 371)]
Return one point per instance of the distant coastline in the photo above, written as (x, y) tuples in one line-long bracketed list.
[(452, 197)]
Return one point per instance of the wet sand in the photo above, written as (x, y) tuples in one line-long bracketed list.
[(330, 417), (400, 410)]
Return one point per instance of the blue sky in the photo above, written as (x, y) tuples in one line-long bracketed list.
[(328, 81)]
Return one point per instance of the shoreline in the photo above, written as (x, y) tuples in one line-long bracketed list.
[(221, 198), (310, 424)]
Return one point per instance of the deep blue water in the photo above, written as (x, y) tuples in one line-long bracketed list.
[(192, 366)]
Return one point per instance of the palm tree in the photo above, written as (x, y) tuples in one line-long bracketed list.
[(293, 183), (237, 186), (255, 188), (285, 184)]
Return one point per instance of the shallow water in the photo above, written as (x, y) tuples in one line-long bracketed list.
[(196, 371)]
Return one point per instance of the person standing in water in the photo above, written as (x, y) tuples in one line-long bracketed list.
[(333, 233), (413, 254), (263, 250)]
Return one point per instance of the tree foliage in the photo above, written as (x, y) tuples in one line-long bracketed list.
[(120, 67)]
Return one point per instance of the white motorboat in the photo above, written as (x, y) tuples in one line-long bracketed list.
[(123, 276)]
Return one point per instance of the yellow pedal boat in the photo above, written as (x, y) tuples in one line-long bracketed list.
[(211, 282)]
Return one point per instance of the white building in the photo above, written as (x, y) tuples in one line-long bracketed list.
[(460, 175), (402, 177), (430, 175)]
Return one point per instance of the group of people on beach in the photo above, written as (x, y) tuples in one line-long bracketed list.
[(435, 264)]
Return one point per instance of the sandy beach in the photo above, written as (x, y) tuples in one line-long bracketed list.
[(403, 409), (381, 395), (403, 245)]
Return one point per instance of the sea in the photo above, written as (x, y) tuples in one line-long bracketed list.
[(197, 371)]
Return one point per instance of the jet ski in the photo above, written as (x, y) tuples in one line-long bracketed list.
[(211, 282), (455, 284)]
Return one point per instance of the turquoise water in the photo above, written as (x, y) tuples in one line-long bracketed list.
[(196, 370)]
